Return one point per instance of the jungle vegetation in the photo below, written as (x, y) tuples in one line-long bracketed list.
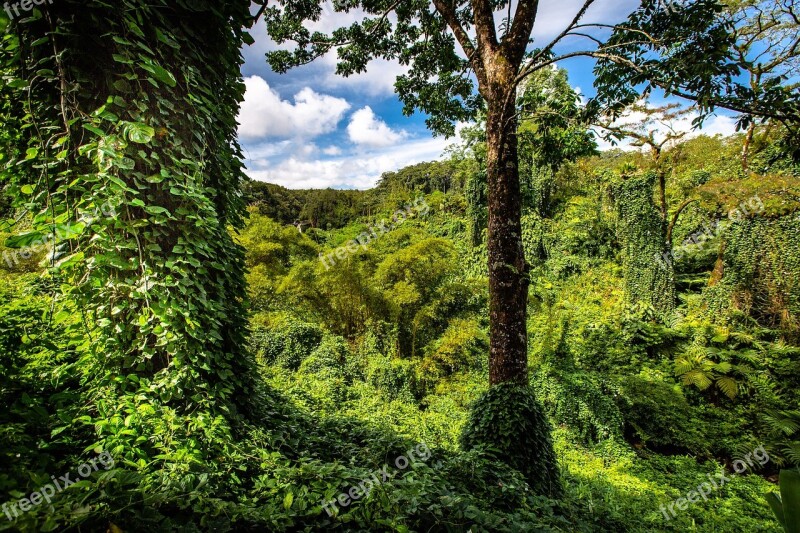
[(576, 339)]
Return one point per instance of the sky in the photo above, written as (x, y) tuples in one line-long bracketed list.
[(310, 128)]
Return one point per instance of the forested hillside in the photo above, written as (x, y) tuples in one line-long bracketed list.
[(654, 370), (381, 348), (531, 333)]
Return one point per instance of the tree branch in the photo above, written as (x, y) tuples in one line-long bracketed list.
[(674, 220), (259, 14), (448, 13), (484, 24), (516, 40), (549, 48)]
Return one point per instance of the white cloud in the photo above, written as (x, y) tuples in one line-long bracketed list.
[(359, 170), (332, 150), (265, 114), (714, 125), (368, 130)]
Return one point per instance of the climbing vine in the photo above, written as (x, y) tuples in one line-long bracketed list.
[(132, 106), (649, 271), (761, 271)]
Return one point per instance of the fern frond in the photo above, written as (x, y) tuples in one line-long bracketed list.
[(792, 452), (682, 366), (698, 379), (729, 386), (723, 367)]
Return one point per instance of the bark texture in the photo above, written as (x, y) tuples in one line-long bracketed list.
[(508, 270)]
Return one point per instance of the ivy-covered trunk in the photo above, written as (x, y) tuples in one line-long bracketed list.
[(130, 144), (647, 257), (508, 270)]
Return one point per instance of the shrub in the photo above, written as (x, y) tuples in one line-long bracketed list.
[(286, 342), (328, 359), (581, 401), (657, 414), (396, 378), (508, 423)]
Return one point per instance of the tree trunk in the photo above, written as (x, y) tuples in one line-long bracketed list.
[(748, 141), (662, 193), (508, 270), (161, 281)]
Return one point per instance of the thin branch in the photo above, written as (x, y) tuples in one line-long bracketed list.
[(547, 49), (259, 14), (674, 220)]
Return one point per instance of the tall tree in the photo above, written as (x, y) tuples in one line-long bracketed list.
[(654, 128), (133, 106), (715, 69), (493, 58), (768, 48), (552, 131)]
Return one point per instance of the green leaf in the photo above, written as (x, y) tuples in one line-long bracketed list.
[(790, 499), (139, 133), (26, 239), (156, 210), (17, 83), (93, 129), (160, 73), (287, 500), (774, 501)]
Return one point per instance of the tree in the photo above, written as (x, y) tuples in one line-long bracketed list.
[(552, 125), (768, 48), (715, 69), (440, 82), (134, 106), (653, 127), (552, 131)]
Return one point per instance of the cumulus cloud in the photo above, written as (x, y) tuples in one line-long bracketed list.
[(359, 170), (332, 150), (368, 130), (265, 114)]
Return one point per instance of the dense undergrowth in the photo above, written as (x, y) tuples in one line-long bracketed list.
[(384, 351)]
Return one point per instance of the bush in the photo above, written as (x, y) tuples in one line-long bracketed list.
[(396, 378), (581, 401), (286, 342), (508, 423), (328, 359), (657, 414)]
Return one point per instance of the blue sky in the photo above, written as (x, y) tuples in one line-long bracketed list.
[(312, 129)]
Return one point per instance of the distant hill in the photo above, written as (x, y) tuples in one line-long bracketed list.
[(332, 208)]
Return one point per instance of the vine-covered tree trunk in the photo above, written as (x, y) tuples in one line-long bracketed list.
[(648, 261), (132, 106), (508, 270)]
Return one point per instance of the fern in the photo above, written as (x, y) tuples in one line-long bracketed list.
[(784, 436), (728, 386)]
